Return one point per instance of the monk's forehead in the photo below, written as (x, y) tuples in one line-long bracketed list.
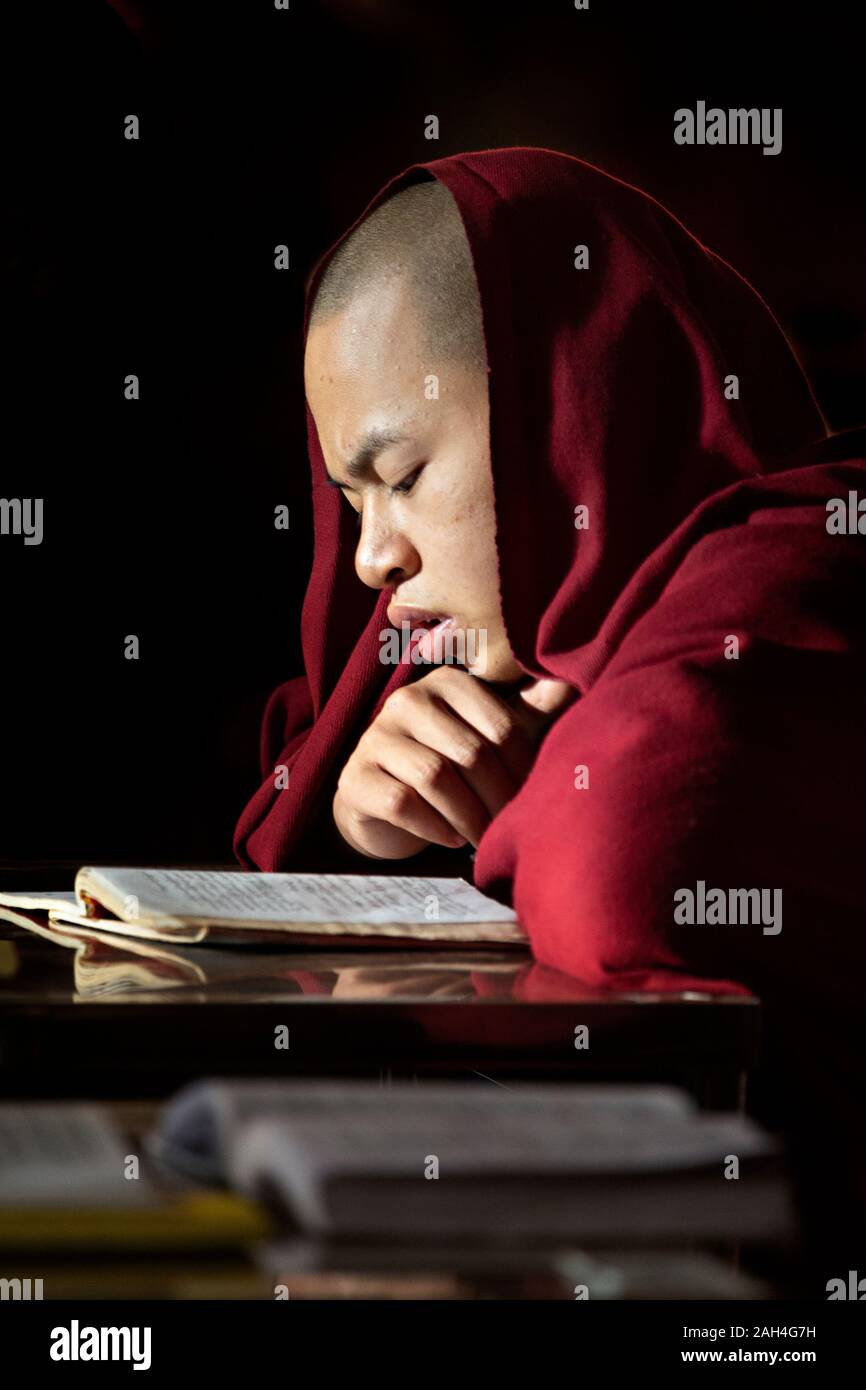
[(377, 331)]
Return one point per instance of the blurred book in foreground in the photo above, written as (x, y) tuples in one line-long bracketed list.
[(588, 1162), (68, 1181)]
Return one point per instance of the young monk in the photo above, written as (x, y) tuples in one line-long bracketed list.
[(540, 411), (544, 415)]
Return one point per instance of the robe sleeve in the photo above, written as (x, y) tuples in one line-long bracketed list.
[(695, 757), (286, 725), (287, 720)]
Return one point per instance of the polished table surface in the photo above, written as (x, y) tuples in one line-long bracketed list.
[(89, 1019)]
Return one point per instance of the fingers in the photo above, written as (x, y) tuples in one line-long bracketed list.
[(371, 793), (486, 713), (436, 726), (434, 777), (471, 699), (443, 757)]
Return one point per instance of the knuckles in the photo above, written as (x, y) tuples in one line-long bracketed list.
[(398, 800), (470, 754), (432, 770), (502, 727), (401, 701)]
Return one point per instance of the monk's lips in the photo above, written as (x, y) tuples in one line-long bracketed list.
[(430, 639)]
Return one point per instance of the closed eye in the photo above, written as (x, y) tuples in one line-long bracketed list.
[(409, 481), (403, 487)]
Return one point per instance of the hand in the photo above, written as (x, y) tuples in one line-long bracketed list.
[(440, 760)]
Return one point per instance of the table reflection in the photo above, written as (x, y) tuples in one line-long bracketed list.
[(84, 964)]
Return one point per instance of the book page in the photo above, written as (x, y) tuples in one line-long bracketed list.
[(374, 899), (593, 1130), (39, 902)]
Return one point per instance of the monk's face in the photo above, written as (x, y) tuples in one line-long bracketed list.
[(425, 498)]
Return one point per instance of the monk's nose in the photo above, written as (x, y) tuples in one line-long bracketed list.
[(383, 552)]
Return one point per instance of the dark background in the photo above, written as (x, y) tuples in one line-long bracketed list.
[(261, 127)]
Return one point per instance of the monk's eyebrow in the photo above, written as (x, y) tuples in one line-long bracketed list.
[(360, 465)]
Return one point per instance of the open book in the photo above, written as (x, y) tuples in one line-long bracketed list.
[(195, 906), (541, 1160)]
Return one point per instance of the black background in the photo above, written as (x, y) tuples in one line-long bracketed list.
[(155, 257)]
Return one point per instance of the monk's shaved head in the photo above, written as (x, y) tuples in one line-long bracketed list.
[(418, 233), (396, 381)]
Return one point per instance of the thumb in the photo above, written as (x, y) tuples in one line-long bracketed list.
[(548, 696)]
